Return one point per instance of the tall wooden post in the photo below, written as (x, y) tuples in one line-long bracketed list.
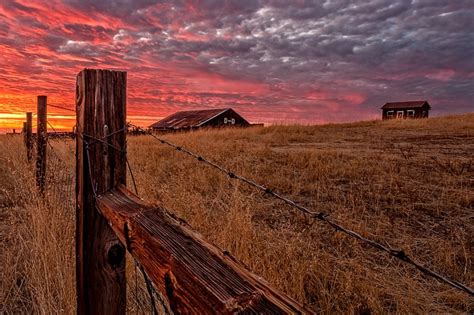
[(100, 257), (41, 141), (28, 136)]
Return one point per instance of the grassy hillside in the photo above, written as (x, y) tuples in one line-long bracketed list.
[(408, 184)]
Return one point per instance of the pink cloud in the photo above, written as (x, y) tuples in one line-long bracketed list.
[(272, 63)]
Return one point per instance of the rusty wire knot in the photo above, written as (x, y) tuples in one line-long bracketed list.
[(319, 215), (400, 254)]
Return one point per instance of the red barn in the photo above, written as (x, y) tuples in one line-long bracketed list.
[(402, 110), (193, 119)]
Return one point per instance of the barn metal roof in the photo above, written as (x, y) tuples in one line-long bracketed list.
[(188, 119), (411, 104)]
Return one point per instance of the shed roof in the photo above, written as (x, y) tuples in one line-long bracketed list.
[(410, 104), (188, 119)]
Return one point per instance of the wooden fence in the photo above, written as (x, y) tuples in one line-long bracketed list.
[(193, 275), (41, 138)]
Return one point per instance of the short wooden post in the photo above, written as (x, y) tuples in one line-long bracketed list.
[(100, 257), (28, 136), (41, 142)]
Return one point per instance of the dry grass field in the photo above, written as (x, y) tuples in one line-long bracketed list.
[(407, 184)]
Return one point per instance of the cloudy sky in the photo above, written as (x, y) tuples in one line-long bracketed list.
[(273, 61)]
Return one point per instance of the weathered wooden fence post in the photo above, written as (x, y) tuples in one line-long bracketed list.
[(28, 137), (41, 142), (100, 166)]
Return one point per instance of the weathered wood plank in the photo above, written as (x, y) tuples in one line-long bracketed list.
[(100, 257), (194, 275)]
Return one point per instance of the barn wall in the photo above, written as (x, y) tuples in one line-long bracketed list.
[(418, 112), (230, 114)]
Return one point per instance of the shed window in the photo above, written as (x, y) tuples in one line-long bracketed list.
[(225, 120), (232, 121), (390, 113), (411, 113)]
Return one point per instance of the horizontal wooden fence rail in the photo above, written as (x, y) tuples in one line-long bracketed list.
[(192, 274)]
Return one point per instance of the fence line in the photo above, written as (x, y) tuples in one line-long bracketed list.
[(321, 216), (57, 194), (60, 189), (219, 282), (193, 275), (399, 254)]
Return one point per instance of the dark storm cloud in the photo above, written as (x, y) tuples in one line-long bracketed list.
[(323, 60), (88, 32), (119, 8)]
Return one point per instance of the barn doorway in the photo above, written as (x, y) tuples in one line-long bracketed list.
[(400, 114)]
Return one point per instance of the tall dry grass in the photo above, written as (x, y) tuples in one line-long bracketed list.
[(407, 183), (37, 235)]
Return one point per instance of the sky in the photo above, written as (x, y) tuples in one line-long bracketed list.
[(307, 62)]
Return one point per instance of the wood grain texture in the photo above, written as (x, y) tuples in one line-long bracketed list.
[(100, 257), (195, 276)]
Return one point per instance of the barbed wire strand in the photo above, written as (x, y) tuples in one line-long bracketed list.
[(102, 140), (149, 288), (61, 107), (399, 254), (51, 126)]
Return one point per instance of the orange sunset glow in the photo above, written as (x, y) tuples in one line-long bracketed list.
[(303, 62)]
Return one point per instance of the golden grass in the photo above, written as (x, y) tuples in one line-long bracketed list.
[(407, 183), (37, 235)]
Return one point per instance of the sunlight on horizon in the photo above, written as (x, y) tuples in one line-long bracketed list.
[(10, 121)]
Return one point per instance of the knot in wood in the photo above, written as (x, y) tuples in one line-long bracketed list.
[(116, 255)]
